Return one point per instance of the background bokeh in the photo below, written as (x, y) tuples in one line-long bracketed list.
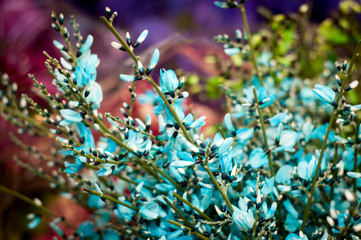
[(182, 29)]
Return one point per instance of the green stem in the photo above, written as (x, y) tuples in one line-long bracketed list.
[(31, 202), (189, 229), (166, 176), (205, 216), (334, 176), (256, 216), (189, 224), (116, 34), (260, 114), (171, 109), (224, 195), (132, 101), (28, 119), (71, 52), (323, 147), (253, 55), (109, 198), (355, 152)]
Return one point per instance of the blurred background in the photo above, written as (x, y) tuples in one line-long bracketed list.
[(183, 31)]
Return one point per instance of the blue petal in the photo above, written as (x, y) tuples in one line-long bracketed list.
[(302, 169), (278, 118), (35, 221), (168, 80), (185, 156), (141, 38), (182, 163), (225, 144), (95, 95), (244, 134), (123, 212), (293, 236), (159, 109), (226, 162), (127, 78), (271, 211), (268, 186), (221, 4), (232, 51), (58, 45), (228, 123), (188, 119), (288, 140), (198, 123), (111, 235), (153, 61), (149, 210), (354, 174), (258, 158), (88, 43), (243, 219), (71, 115), (325, 94), (284, 174)]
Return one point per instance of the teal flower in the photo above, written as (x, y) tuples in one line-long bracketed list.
[(325, 94), (243, 219)]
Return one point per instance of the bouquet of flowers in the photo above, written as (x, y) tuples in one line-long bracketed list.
[(284, 163)]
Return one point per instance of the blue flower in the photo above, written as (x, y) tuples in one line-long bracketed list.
[(268, 213), (170, 86), (258, 158), (95, 201), (354, 174), (140, 68), (307, 170), (189, 122), (243, 219), (186, 160), (87, 64), (70, 116), (111, 235), (292, 222), (279, 118), (149, 210), (74, 167), (168, 81), (86, 231), (227, 4), (35, 220), (325, 94), (268, 186), (284, 174), (123, 212), (93, 94), (293, 236)]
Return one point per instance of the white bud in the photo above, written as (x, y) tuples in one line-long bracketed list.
[(37, 201), (330, 221), (116, 45), (354, 84)]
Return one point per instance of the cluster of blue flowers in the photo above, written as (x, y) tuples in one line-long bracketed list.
[(274, 170)]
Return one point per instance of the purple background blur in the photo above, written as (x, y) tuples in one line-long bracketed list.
[(25, 25)]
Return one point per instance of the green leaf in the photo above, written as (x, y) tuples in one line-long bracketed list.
[(333, 34)]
